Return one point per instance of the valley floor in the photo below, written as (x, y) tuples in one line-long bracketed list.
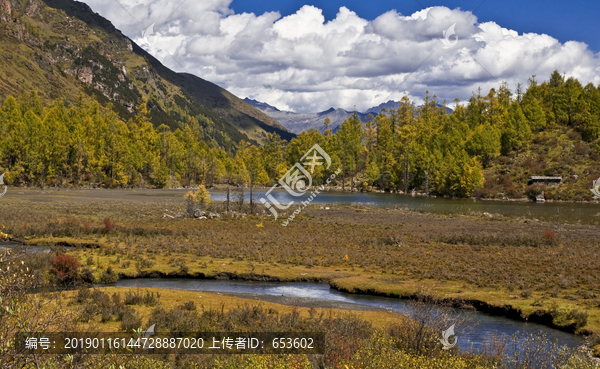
[(523, 268)]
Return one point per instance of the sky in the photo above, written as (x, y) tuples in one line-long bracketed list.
[(573, 21), (308, 56)]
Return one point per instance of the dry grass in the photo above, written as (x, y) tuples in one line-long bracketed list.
[(530, 265), (169, 299)]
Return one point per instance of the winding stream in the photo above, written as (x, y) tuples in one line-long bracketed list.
[(478, 329)]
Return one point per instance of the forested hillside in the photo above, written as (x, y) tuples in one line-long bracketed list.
[(61, 48), (488, 148), (491, 146)]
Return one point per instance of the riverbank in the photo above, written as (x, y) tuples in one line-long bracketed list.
[(445, 293), (169, 299), (363, 339), (220, 189), (449, 294)]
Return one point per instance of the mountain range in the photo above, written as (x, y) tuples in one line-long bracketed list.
[(298, 122), (62, 48)]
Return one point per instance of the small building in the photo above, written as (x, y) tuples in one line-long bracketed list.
[(547, 180)]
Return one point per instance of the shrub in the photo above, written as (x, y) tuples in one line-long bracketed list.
[(116, 299), (578, 317), (197, 200), (87, 313), (87, 276), (109, 276), (144, 263), (108, 224), (39, 265), (82, 295), (550, 237), (137, 298), (582, 148), (106, 315), (190, 306), (420, 334), (512, 192), (526, 294), (65, 267), (574, 318), (120, 311), (133, 298), (131, 320), (534, 190)]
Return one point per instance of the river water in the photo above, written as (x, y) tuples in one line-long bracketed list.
[(479, 328), (552, 211), (31, 249)]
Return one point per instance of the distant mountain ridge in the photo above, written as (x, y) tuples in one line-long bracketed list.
[(391, 104), (298, 122)]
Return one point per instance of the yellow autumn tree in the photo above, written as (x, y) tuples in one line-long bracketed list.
[(197, 200)]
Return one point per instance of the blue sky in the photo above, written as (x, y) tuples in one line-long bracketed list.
[(566, 21)]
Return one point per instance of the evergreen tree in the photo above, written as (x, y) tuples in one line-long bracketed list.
[(534, 113), (516, 132), (484, 143), (350, 139)]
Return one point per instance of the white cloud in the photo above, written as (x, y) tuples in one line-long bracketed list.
[(303, 63)]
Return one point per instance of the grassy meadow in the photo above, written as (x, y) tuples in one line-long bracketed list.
[(524, 268)]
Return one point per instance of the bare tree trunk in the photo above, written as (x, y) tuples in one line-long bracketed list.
[(228, 191), (406, 172), (251, 195), (212, 174), (344, 175), (242, 199)]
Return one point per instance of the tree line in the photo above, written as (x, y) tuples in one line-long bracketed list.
[(422, 148)]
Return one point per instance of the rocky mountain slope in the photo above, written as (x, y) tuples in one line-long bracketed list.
[(62, 48)]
